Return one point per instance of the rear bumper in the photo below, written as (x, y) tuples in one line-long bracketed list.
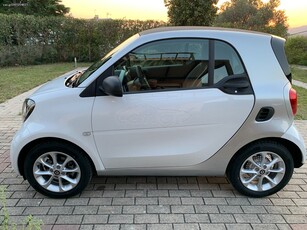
[(295, 137)]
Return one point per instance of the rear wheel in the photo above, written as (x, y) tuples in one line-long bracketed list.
[(261, 169), (57, 170)]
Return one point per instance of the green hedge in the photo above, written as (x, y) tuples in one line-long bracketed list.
[(28, 40), (296, 49)]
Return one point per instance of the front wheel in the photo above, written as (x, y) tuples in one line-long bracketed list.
[(261, 169), (57, 170)]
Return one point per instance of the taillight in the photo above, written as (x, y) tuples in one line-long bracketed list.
[(293, 100)]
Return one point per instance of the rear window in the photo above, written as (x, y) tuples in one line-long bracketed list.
[(278, 45)]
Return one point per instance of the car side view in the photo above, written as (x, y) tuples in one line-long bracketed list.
[(167, 101)]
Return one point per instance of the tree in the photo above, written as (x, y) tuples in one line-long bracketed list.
[(253, 15), (34, 7), (191, 13)]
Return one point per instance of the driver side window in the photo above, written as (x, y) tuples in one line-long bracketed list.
[(164, 65)]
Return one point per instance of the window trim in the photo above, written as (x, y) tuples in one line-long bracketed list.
[(89, 93)]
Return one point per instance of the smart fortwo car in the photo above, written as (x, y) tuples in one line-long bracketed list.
[(168, 101)]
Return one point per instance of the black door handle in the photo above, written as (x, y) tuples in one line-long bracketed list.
[(237, 84)]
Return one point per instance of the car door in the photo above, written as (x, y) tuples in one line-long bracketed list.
[(194, 102)]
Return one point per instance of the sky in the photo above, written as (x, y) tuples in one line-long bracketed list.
[(296, 10)]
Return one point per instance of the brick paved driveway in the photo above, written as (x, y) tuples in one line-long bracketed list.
[(150, 202)]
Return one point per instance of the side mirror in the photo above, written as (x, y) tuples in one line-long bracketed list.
[(112, 86)]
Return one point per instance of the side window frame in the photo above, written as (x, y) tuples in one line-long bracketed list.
[(211, 67)]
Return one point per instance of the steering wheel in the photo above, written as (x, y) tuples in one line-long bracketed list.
[(142, 78)]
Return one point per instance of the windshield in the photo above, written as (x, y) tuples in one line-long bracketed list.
[(107, 57)]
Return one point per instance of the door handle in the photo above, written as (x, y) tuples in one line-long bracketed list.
[(241, 84)]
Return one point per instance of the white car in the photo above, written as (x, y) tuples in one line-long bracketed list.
[(168, 101)]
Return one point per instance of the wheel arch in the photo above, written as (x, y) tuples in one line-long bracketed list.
[(292, 148), (30, 145)]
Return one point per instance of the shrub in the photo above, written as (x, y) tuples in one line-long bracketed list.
[(28, 39), (296, 49)]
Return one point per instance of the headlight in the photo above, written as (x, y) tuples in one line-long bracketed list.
[(27, 108)]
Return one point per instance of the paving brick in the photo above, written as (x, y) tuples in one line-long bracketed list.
[(212, 227), (146, 186), (135, 193), (278, 209), (201, 193), (282, 202), (192, 200), (300, 202), (36, 210), (66, 227), (196, 218), (238, 201), (158, 193), (23, 194), (206, 209), (61, 210), (188, 186), (132, 227), (254, 209), (125, 186), (69, 219), (247, 218), (159, 227), (169, 201), (158, 209), (95, 219), (271, 218), (297, 210), (120, 219), (110, 209), (13, 211), (146, 218), (295, 219), (182, 209), (289, 195), (77, 201), (47, 220), (264, 226), (136, 209), (299, 226), (146, 201), (168, 186), (120, 193), (52, 202), (179, 193), (123, 201), (85, 210), (223, 193), (215, 201), (100, 201), (262, 201), (171, 218), (90, 194), (186, 227), (230, 209), (221, 218), (28, 202), (238, 227)]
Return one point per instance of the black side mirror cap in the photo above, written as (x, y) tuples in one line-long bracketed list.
[(112, 86)]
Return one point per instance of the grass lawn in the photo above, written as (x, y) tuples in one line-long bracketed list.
[(16, 80), (302, 103), (299, 74)]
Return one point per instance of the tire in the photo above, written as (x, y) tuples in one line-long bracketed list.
[(57, 170), (261, 169)]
